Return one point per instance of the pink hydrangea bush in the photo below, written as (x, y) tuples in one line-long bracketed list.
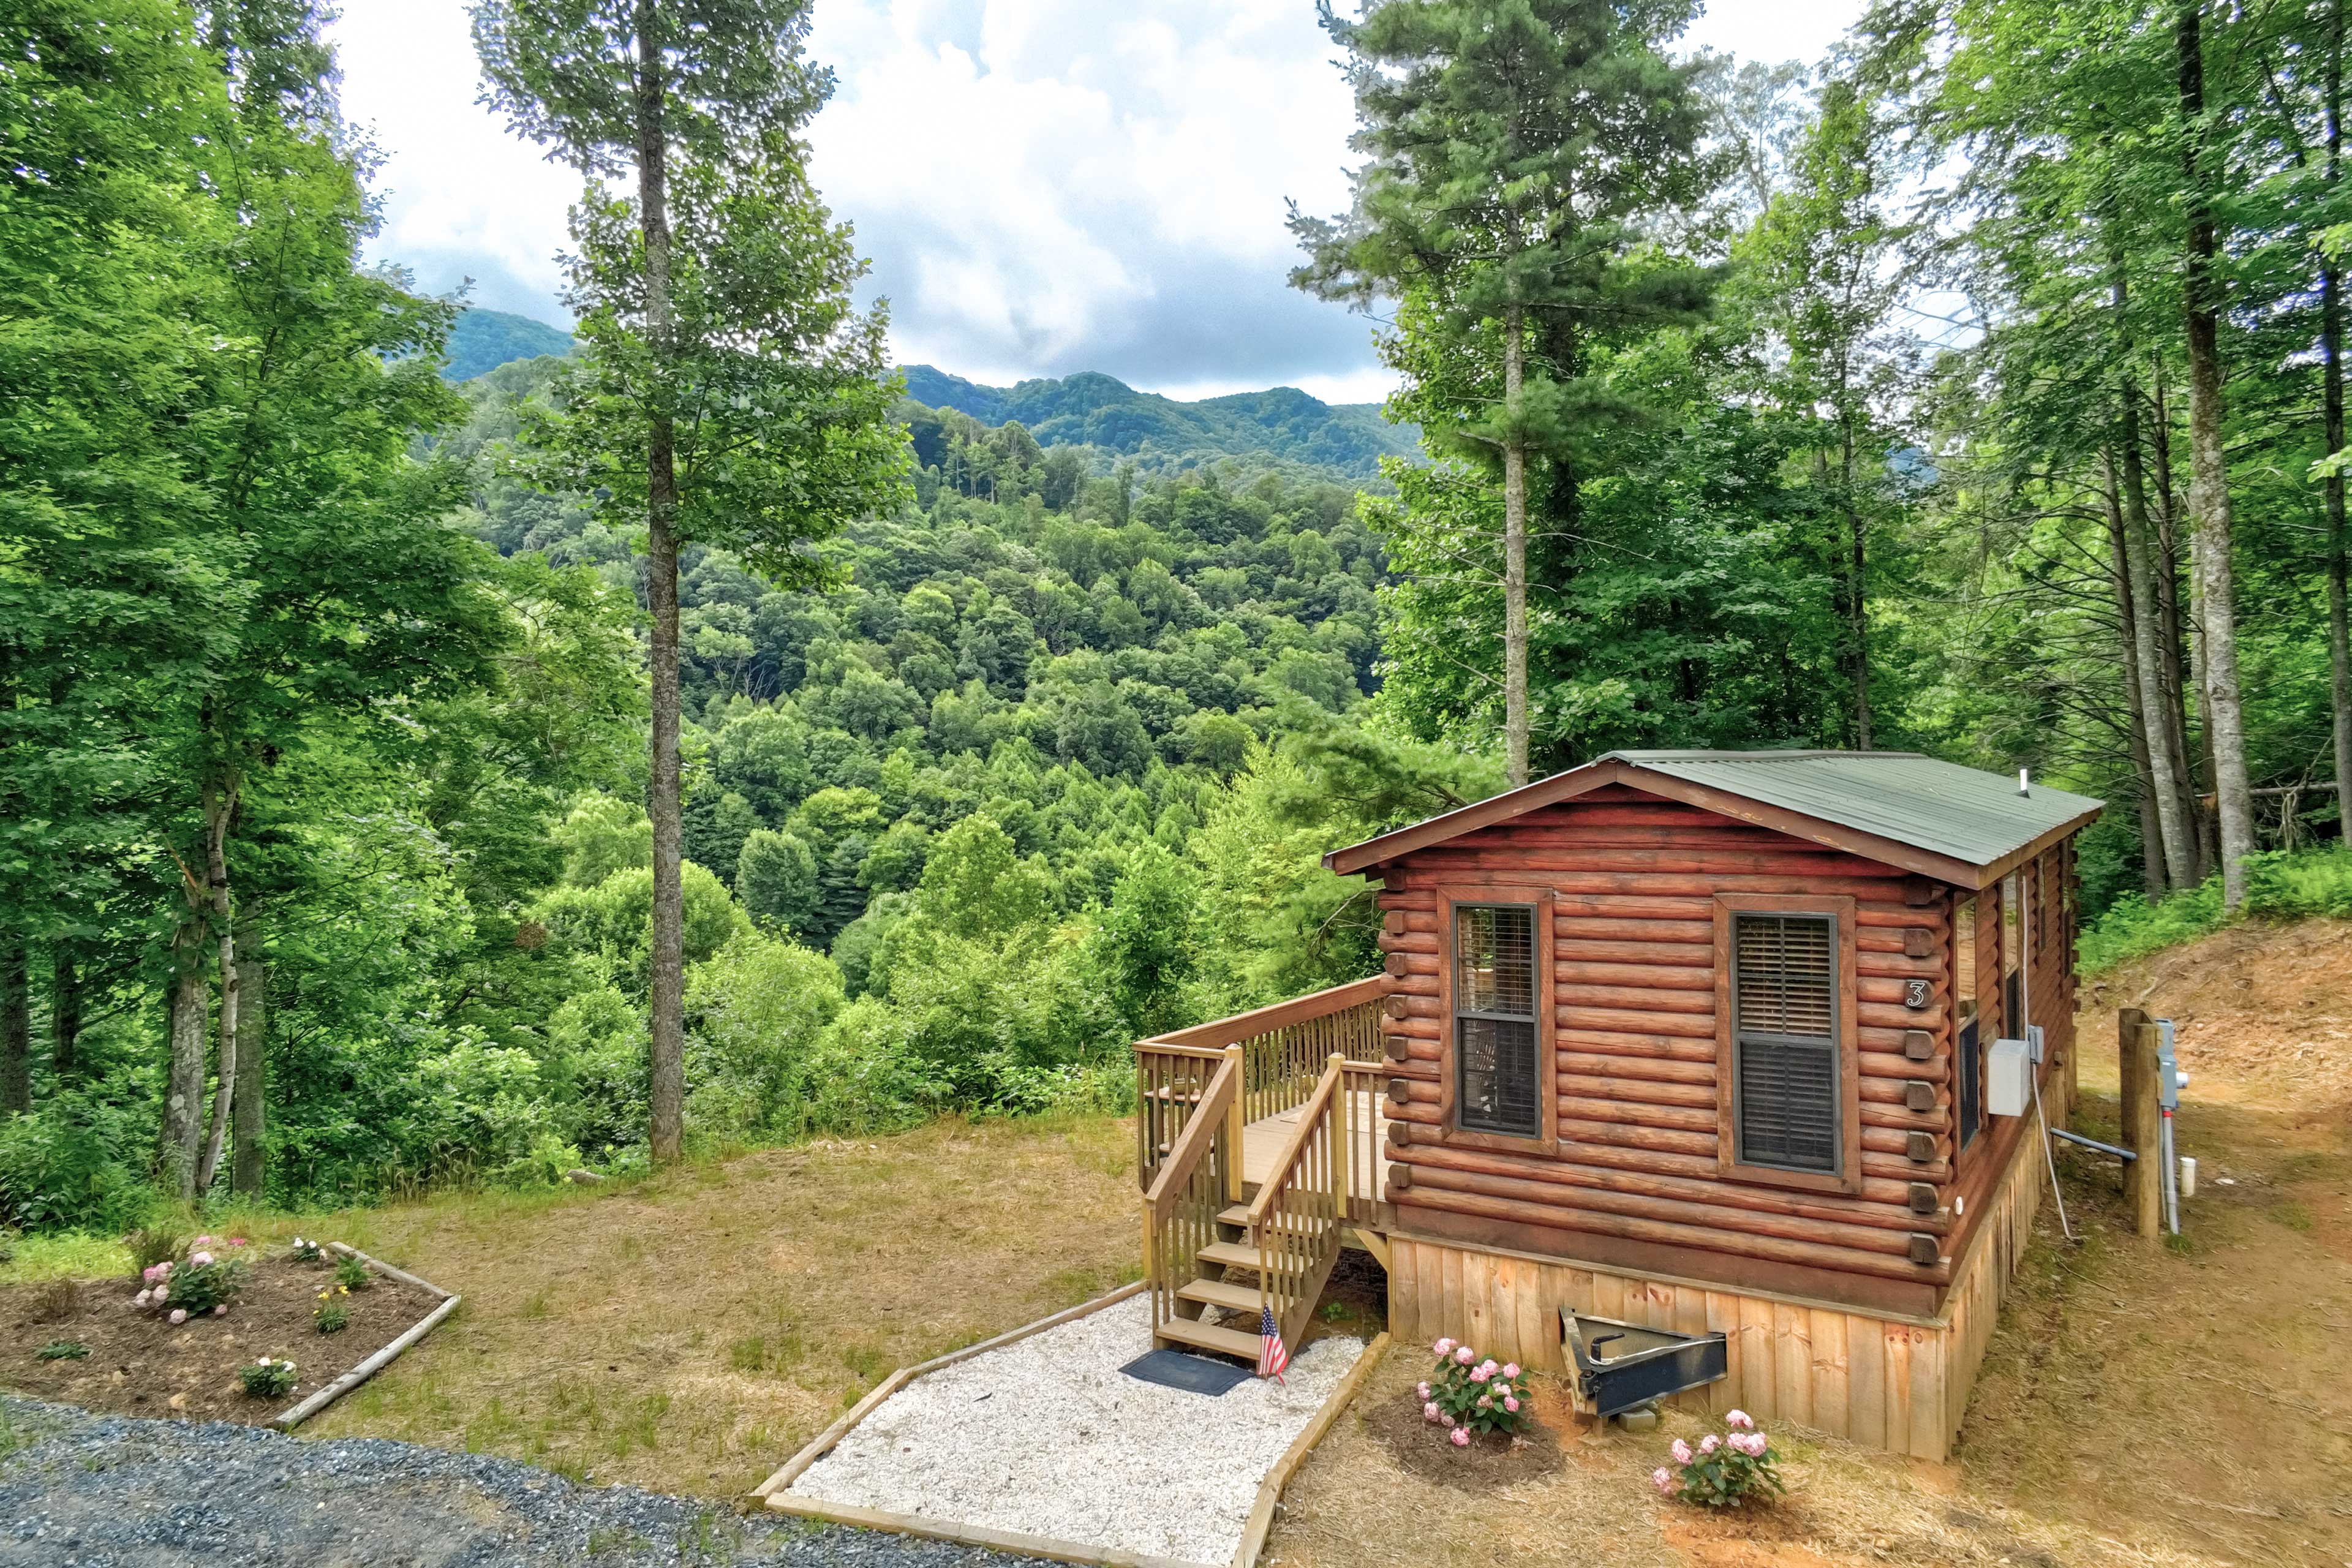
[(201, 1285), (1469, 1394), (1726, 1469)]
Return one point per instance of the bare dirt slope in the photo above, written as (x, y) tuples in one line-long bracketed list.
[(2142, 1404)]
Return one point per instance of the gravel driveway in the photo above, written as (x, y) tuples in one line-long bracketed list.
[(104, 1491)]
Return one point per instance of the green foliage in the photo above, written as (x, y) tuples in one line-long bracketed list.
[(614, 918), (480, 340), (62, 1350), (332, 1315), (350, 1274), (759, 1009), (1730, 1468), (1471, 1396), (267, 1378), (2279, 886)]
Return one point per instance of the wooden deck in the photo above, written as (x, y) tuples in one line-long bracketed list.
[(1264, 1139)]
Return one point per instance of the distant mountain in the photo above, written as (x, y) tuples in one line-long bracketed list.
[(1098, 410), (484, 340)]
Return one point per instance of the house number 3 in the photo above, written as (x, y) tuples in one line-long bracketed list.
[(1914, 994)]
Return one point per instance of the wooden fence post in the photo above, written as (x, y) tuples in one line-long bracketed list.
[(1236, 1118), (2136, 1038)]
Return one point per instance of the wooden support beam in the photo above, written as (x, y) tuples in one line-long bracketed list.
[(2137, 1039)]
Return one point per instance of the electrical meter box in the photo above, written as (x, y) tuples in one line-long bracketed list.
[(2008, 1077)]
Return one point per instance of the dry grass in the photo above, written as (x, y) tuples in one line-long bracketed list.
[(688, 1332), (2173, 1405)]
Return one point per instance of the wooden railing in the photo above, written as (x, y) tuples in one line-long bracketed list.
[(1299, 1210), (1285, 1047), (1197, 1177)]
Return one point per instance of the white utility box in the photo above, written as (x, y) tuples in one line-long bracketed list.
[(2008, 1077)]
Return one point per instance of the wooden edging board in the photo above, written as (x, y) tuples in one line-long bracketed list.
[(772, 1491), (287, 1420), (1269, 1492)]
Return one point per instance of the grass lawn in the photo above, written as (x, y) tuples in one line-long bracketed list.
[(688, 1331)]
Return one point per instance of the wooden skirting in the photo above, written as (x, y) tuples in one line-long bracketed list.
[(1882, 1379)]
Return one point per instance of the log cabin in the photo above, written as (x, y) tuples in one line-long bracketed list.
[(1693, 1040)]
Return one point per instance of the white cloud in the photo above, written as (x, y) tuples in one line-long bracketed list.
[(1043, 185)]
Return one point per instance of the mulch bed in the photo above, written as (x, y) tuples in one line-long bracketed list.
[(1490, 1460), (141, 1365)]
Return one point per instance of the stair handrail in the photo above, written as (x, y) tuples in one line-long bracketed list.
[(1193, 1184), (1200, 1133), (1300, 1210)]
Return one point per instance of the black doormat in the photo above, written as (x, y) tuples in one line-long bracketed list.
[(1192, 1373)]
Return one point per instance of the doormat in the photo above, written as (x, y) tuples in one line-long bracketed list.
[(1192, 1373)]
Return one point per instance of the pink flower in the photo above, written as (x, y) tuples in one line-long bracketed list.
[(1739, 1419), (1511, 1405), (1756, 1444), (1710, 1443), (147, 1275), (1429, 1411), (221, 1310), (203, 1241), (1443, 1347), (1423, 1391), (1479, 1375), (164, 1270), (236, 1241), (1663, 1478), (1501, 1390), (1461, 1437), (1680, 1451), (1511, 1370), (179, 1316), (162, 1294), (1465, 1355), (200, 1258), (140, 1299), (1486, 1401)]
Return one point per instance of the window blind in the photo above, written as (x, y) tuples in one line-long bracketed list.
[(1785, 994), (1498, 1076)]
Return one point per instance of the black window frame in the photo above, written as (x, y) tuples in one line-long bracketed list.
[(1533, 1127), (1833, 1045)]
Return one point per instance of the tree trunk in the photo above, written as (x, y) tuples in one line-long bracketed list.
[(248, 1168), (1858, 586), (65, 1010), (2172, 641), (2151, 831), (2331, 317), (664, 801), (2209, 485), (16, 1024), (2142, 655), (220, 807), (1514, 546), (185, 1095)]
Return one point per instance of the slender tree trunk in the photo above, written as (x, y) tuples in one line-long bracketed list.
[(2209, 484), (65, 1010), (1515, 547), (220, 808), (16, 1024), (249, 1170), (2174, 658), (2331, 316), (2119, 571), (2142, 653), (666, 1130), (184, 1092), (1857, 592)]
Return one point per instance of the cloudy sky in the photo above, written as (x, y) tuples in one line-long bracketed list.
[(1043, 185)]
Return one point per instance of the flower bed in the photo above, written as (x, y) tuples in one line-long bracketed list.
[(139, 1362)]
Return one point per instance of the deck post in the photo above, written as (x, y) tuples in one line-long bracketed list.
[(1235, 1120), (2143, 1117), (1343, 1136)]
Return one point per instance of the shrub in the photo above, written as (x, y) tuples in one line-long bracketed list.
[(331, 1316), (151, 1245), (1467, 1395), (202, 1285), (2280, 885), (350, 1274), (307, 1251), (74, 1163), (1726, 1469), (267, 1379)]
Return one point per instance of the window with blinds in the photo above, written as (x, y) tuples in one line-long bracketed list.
[(1784, 998), (1495, 1033)]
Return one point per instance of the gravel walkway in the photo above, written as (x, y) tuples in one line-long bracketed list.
[(103, 1491), (1047, 1436)]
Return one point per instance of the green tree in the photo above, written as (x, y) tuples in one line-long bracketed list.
[(1514, 148), (729, 390)]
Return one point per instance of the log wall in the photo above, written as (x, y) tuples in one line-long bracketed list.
[(1634, 1175), (1893, 1382)]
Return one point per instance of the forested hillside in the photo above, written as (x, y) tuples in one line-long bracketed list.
[(481, 340)]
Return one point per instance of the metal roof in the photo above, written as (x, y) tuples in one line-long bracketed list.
[(1911, 810), (1942, 807)]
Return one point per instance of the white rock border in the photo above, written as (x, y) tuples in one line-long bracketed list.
[(774, 1490), (287, 1419)]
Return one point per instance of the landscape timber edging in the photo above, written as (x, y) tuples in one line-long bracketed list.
[(772, 1491), (287, 1420)]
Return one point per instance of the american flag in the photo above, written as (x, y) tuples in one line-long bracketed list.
[(1271, 1355)]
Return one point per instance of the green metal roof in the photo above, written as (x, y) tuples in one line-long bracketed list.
[(1942, 807)]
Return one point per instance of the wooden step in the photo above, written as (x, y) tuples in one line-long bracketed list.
[(1217, 1293), (1229, 1254), (1237, 1214), (1224, 1342)]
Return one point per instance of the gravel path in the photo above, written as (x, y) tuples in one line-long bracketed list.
[(103, 1491), (1047, 1436)]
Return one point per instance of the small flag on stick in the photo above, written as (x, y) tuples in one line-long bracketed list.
[(1271, 1355)]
